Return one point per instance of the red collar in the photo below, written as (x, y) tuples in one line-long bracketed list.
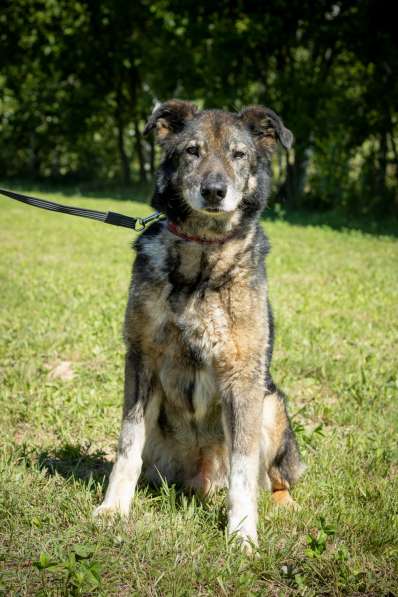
[(174, 229)]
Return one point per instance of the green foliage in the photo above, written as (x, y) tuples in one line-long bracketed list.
[(75, 574), (78, 79), (317, 541)]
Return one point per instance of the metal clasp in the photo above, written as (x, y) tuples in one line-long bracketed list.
[(140, 223)]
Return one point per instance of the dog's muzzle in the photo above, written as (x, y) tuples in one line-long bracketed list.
[(213, 190)]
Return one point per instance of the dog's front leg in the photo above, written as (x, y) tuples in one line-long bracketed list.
[(127, 468), (242, 407)]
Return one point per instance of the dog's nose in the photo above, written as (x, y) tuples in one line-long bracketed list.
[(213, 190)]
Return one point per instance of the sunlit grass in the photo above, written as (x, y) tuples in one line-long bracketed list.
[(63, 290)]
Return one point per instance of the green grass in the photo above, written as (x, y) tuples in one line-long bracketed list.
[(63, 290)]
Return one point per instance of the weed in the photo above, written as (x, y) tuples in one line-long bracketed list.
[(80, 573), (317, 540)]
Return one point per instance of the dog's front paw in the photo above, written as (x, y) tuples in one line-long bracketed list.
[(245, 533), (247, 543), (109, 510)]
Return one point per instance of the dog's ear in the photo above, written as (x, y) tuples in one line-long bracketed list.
[(266, 127), (170, 118)]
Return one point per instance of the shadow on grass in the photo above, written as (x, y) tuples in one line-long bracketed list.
[(165, 497), (78, 462), (335, 220)]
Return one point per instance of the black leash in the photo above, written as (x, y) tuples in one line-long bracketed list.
[(108, 217)]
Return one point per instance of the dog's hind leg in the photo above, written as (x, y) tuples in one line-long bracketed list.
[(280, 464), (127, 468)]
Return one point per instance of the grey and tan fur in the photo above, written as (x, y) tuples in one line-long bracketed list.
[(200, 407)]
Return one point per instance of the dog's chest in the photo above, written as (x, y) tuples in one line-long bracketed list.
[(186, 343), (194, 325), (192, 305), (189, 326), (189, 315)]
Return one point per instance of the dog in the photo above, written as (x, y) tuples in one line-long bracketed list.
[(200, 407)]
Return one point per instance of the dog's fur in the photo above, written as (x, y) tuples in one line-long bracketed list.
[(200, 406)]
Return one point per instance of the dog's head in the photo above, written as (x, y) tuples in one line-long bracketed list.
[(216, 163)]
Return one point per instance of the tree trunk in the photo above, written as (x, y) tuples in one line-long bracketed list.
[(139, 149), (394, 149), (134, 87), (34, 160), (124, 161), (292, 189), (382, 165), (152, 156)]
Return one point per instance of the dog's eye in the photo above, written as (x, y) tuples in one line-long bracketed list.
[(193, 150), (238, 155)]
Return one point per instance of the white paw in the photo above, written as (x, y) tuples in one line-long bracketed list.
[(109, 510), (245, 532), (247, 543)]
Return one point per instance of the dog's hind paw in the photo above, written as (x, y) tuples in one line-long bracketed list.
[(283, 498)]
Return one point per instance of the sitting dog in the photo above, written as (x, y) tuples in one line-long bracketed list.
[(200, 407)]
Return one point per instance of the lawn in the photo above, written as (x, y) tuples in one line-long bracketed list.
[(64, 284)]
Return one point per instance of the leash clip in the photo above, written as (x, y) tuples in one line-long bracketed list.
[(140, 223)]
